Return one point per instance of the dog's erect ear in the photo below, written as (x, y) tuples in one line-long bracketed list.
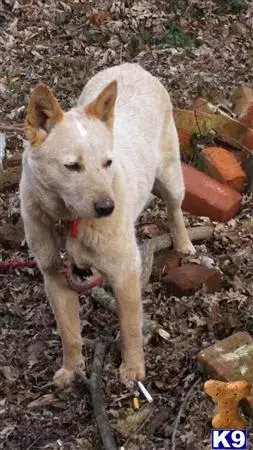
[(103, 107), (43, 113)]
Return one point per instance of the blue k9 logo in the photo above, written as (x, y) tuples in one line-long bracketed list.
[(229, 439)]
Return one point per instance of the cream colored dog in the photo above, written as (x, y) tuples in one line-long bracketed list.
[(99, 162)]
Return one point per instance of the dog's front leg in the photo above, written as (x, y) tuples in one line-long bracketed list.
[(127, 290), (65, 305)]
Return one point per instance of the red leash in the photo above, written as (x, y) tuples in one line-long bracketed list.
[(15, 264), (67, 267)]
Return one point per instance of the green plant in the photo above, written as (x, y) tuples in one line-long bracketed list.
[(175, 36), (232, 6)]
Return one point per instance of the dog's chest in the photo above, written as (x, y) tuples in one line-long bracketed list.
[(84, 249)]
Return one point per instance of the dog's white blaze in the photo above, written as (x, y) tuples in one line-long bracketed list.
[(70, 159), (81, 129)]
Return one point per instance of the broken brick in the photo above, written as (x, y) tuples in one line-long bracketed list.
[(164, 261), (189, 278), (11, 236), (201, 105), (227, 127), (230, 360), (221, 164), (207, 197)]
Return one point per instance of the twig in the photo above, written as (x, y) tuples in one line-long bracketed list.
[(182, 407), (94, 384), (11, 128), (34, 442)]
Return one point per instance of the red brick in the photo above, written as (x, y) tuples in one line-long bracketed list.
[(200, 104), (207, 197), (230, 360), (221, 164), (189, 278), (166, 260)]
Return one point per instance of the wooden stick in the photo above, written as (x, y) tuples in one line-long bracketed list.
[(11, 128), (95, 386), (182, 407)]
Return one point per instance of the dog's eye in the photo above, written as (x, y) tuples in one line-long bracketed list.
[(108, 163), (73, 166)]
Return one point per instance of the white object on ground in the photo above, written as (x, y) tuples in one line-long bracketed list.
[(145, 392)]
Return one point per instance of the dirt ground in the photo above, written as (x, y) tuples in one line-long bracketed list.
[(194, 47)]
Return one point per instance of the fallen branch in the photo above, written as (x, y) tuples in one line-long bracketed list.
[(182, 407), (94, 384), (11, 128)]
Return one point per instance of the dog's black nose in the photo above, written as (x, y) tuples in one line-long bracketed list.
[(104, 207)]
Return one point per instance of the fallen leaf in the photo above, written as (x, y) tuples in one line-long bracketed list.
[(45, 400)]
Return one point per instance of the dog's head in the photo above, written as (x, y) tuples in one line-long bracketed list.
[(71, 153)]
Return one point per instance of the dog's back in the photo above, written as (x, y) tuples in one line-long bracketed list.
[(142, 110)]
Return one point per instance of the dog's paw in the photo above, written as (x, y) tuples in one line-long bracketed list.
[(132, 372), (63, 377), (186, 248)]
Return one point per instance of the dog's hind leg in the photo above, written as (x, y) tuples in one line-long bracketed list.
[(65, 305), (169, 182)]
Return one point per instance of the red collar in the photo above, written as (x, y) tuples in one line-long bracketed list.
[(74, 228)]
